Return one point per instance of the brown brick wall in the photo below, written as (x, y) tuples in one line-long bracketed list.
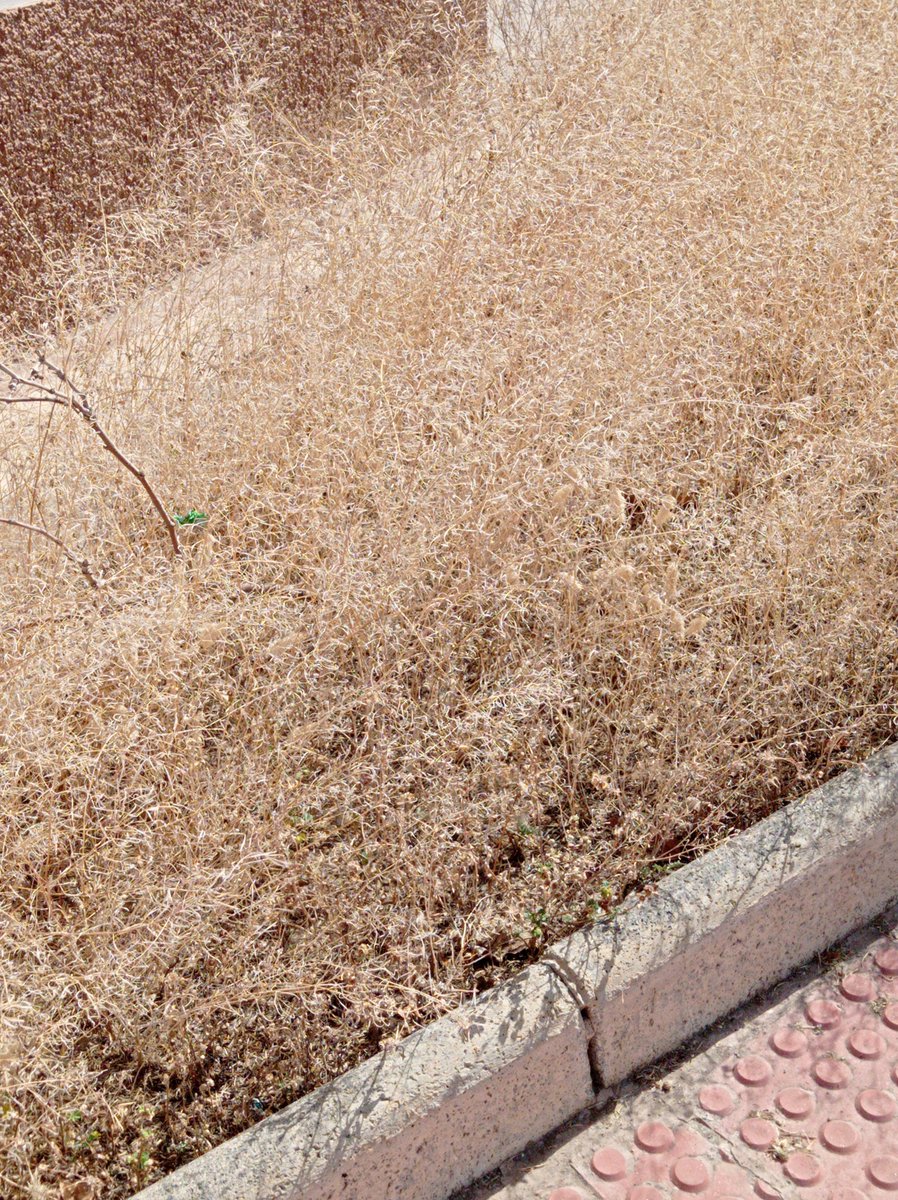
[(89, 89)]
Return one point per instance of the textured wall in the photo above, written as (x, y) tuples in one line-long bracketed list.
[(90, 88)]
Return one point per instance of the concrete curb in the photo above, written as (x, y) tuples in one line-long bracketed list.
[(420, 1119), (454, 1100), (738, 919)]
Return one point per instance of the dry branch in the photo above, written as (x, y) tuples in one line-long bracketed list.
[(78, 402), (82, 563)]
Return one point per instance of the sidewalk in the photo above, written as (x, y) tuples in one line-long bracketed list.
[(797, 1096)]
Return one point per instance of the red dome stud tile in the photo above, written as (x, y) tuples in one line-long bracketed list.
[(883, 1172), (840, 1137), (766, 1192), (803, 1169), (758, 1133), (654, 1137), (609, 1164), (866, 1043), (824, 1013), (886, 958), (831, 1073), (753, 1071), (875, 1105), (890, 1016), (857, 987), (789, 1042), (566, 1193), (690, 1175), (795, 1102), (717, 1099)]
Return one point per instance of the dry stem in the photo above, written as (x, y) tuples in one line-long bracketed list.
[(82, 563), (78, 402)]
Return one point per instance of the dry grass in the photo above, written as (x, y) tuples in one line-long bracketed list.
[(104, 99), (550, 458)]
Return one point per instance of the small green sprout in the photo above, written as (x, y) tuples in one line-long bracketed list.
[(85, 1143), (603, 901), (140, 1160), (193, 517), (538, 919)]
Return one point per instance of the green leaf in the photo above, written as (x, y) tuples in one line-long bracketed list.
[(193, 517)]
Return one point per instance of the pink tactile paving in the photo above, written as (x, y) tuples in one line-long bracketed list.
[(807, 1107)]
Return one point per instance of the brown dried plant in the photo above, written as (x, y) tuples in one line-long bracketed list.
[(82, 563), (35, 391), (549, 441)]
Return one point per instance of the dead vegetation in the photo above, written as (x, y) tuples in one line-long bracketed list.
[(104, 100), (549, 454)]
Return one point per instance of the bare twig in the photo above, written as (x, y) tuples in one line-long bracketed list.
[(61, 376), (82, 563), (79, 403)]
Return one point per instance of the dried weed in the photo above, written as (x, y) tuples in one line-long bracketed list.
[(549, 452)]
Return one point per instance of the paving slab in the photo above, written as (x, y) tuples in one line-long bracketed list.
[(795, 1097)]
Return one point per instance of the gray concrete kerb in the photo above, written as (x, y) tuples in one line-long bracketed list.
[(453, 1101), (421, 1119), (738, 919)]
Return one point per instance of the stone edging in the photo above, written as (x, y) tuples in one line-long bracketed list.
[(454, 1100)]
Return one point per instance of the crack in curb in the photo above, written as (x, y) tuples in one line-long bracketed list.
[(583, 998)]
